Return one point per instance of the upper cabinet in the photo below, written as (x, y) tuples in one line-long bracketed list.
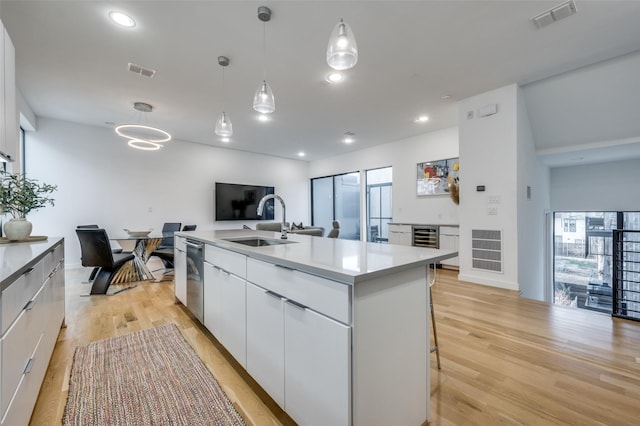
[(9, 123)]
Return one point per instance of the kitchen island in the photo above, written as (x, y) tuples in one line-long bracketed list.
[(335, 331)]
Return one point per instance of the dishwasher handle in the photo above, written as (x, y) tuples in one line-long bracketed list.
[(194, 245)]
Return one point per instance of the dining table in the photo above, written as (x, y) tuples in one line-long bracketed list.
[(141, 246)]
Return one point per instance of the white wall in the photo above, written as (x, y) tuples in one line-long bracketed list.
[(403, 155), (612, 186), (101, 180), (488, 157), (531, 211)]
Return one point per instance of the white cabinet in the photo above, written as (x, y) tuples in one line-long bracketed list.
[(32, 313), (212, 299), (225, 299), (317, 367), (299, 342), (265, 340), (400, 234), (234, 321), (9, 128), (449, 240), (180, 270), (19, 344)]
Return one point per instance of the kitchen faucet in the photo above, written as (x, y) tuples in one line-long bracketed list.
[(264, 199)]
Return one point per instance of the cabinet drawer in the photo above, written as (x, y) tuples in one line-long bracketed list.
[(18, 345), (320, 294), (230, 261), (52, 259), (449, 230), (399, 228), (23, 400), (180, 243), (16, 296)]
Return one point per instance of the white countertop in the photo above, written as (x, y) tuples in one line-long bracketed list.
[(341, 260), (14, 258)]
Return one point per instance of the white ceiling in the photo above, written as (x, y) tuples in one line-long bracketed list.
[(72, 65)]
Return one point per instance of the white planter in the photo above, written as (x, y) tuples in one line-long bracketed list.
[(17, 229)]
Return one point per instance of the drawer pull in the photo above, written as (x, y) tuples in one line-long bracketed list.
[(29, 305), (272, 294), (222, 270), (284, 267), (28, 271), (29, 366), (297, 305)]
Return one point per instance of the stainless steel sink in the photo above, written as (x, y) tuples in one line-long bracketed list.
[(258, 241)]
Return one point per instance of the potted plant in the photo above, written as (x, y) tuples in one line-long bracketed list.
[(20, 195)]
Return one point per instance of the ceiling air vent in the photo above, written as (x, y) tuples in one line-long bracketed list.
[(139, 69), (554, 14)]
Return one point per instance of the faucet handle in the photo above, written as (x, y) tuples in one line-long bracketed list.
[(283, 234)]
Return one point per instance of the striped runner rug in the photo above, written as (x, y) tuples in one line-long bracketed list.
[(149, 377)]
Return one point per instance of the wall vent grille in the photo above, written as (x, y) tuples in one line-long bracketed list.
[(486, 250)]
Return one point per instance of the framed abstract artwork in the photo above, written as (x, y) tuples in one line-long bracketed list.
[(433, 177)]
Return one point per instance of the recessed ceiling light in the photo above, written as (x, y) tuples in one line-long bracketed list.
[(348, 137), (264, 118), (421, 119), (225, 140), (335, 77), (301, 154), (122, 19)]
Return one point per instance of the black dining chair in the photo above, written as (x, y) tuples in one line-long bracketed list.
[(96, 251), (92, 276)]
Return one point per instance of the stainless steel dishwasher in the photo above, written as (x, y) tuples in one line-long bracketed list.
[(195, 278)]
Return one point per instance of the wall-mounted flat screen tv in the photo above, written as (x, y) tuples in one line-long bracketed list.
[(240, 202)]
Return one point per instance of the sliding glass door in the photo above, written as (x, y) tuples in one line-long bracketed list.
[(337, 198)]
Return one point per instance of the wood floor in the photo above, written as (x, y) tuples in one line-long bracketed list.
[(505, 360)]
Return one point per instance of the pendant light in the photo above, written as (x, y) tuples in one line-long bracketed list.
[(224, 127), (143, 136), (263, 101), (342, 52)]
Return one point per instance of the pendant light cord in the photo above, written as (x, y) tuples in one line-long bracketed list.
[(264, 51), (223, 92)]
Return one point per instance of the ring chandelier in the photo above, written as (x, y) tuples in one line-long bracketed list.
[(142, 136)]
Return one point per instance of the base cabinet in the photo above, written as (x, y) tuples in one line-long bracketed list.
[(180, 270), (29, 333), (234, 320), (225, 300), (449, 240), (317, 367), (297, 352), (401, 235), (265, 340), (212, 300)]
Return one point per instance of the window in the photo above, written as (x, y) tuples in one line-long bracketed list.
[(583, 263), (569, 225), (379, 204), (337, 198), (22, 151)]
